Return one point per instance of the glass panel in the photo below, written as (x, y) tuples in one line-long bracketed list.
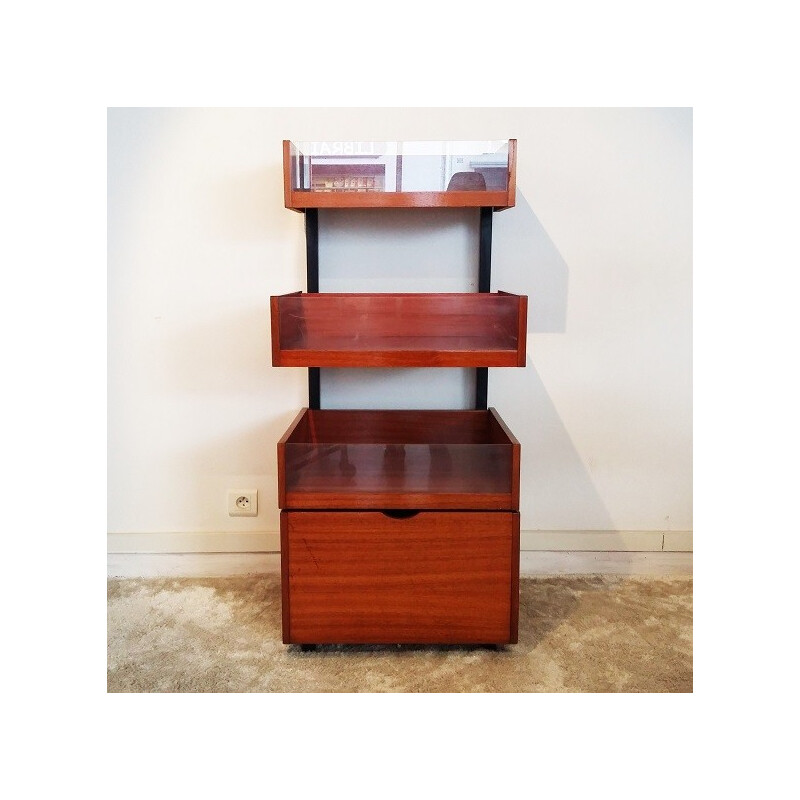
[(354, 469), (400, 166)]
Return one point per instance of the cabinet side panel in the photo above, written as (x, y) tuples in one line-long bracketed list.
[(298, 428), (281, 474), (514, 637), (285, 615), (516, 461)]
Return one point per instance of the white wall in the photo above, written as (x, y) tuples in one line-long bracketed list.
[(600, 240)]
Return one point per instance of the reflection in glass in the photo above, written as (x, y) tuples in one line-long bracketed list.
[(400, 166), (380, 467)]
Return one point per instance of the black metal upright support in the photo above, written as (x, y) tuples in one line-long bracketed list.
[(485, 252), (312, 250), (312, 287), (484, 285)]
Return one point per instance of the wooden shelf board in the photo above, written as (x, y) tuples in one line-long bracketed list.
[(399, 330), (302, 200)]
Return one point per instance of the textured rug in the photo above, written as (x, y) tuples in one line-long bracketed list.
[(577, 634)]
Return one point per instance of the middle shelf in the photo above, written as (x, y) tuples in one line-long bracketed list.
[(366, 459), (399, 330)]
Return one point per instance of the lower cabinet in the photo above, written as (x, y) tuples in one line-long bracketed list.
[(400, 577)]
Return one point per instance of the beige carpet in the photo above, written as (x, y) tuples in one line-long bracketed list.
[(577, 634)]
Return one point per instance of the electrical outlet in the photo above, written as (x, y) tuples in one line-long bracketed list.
[(243, 503)]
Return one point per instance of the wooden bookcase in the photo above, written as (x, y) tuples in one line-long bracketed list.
[(399, 526)]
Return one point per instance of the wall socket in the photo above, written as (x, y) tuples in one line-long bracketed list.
[(243, 503)]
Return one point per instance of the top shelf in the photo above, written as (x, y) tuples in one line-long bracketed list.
[(478, 174)]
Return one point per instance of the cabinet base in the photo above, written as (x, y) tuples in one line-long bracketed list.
[(365, 577)]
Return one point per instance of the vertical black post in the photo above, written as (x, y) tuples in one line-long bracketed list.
[(485, 252), (314, 392), (312, 287), (484, 285), (312, 250)]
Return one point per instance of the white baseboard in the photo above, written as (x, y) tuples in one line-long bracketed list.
[(620, 563), (607, 541), (269, 542), (216, 565), (678, 542), (188, 542), (191, 565)]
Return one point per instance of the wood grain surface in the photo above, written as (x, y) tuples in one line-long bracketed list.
[(364, 577), (368, 459), (399, 330)]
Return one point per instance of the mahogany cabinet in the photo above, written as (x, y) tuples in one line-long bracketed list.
[(399, 526), (448, 577)]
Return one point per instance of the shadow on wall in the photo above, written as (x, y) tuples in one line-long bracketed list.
[(559, 491), (525, 261)]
